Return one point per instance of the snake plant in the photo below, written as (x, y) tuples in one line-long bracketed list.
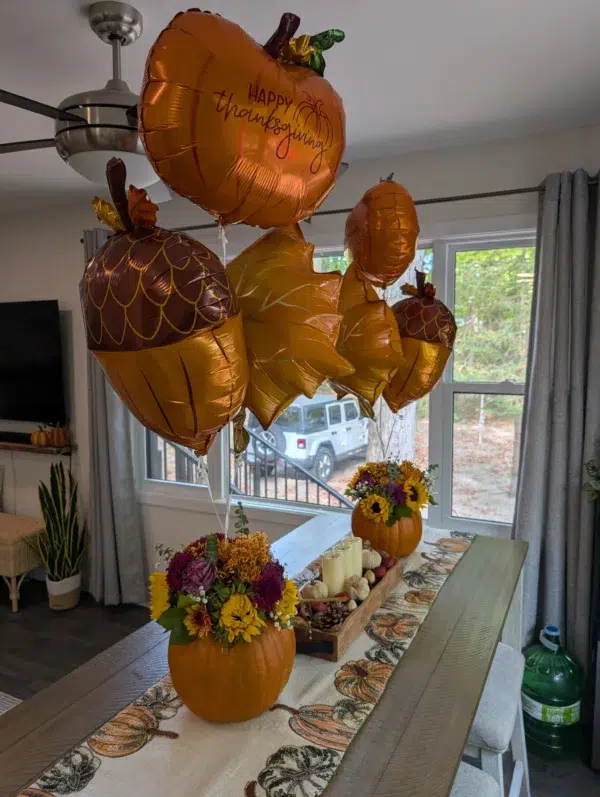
[(61, 546)]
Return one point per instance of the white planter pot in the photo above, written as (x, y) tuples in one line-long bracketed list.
[(64, 594)]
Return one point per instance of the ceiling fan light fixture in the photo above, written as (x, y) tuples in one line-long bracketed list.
[(92, 166)]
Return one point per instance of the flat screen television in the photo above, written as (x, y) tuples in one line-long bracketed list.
[(31, 378)]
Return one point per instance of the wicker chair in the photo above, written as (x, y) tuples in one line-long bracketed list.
[(17, 557)]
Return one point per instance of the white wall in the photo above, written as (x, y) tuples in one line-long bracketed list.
[(42, 258)]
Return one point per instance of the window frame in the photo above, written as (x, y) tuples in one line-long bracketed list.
[(441, 399), (193, 497)]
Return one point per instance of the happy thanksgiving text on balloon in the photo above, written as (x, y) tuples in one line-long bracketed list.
[(268, 109)]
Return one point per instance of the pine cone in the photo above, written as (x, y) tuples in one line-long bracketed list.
[(334, 616)]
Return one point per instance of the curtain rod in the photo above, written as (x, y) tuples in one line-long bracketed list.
[(439, 200)]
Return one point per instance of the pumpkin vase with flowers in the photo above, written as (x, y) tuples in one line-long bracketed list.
[(390, 496), (230, 611)]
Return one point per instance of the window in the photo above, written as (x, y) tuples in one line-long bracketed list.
[(479, 402), (470, 425)]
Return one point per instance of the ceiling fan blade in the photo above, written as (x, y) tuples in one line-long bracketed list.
[(9, 98), (21, 146)]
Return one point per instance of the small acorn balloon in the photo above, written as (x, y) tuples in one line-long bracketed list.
[(427, 331), (162, 320)]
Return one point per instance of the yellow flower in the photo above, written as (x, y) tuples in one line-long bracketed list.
[(197, 620), (375, 507), (285, 609), (240, 619), (417, 495), (159, 594), (247, 555), (409, 472)]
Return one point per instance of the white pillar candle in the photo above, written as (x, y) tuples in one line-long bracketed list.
[(347, 551), (333, 572), (357, 547)]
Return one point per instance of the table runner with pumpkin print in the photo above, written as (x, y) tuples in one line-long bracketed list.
[(156, 747)]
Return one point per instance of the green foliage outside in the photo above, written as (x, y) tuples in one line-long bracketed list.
[(493, 291), (331, 263)]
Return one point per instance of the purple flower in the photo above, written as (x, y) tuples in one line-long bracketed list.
[(398, 495), (367, 479), (268, 587), (175, 570), (198, 575)]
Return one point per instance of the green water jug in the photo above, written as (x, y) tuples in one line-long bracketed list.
[(552, 689)]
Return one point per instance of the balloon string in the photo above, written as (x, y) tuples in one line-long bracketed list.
[(203, 474), (223, 240)]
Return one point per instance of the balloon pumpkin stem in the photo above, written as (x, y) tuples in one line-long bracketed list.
[(116, 175), (288, 25)]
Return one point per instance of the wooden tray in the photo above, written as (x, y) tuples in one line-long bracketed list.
[(332, 645)]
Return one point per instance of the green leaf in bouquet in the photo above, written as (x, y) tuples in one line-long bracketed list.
[(184, 600), (171, 617), (180, 635), (211, 551)]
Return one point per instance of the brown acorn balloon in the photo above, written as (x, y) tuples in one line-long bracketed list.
[(427, 330), (162, 320)]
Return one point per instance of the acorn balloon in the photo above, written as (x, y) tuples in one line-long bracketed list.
[(162, 320), (369, 339), (382, 231), (427, 329), (250, 133)]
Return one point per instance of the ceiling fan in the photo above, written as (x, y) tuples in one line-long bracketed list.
[(93, 126)]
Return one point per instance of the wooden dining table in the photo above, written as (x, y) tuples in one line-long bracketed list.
[(411, 744)]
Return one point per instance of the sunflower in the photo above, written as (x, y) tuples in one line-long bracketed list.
[(286, 607), (409, 472), (197, 620), (159, 594), (239, 618), (375, 507), (417, 495)]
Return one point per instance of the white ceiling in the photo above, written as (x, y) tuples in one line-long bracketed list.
[(413, 75)]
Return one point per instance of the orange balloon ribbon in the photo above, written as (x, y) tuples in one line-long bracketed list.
[(162, 320), (382, 232), (250, 133), (291, 321), (427, 329), (369, 339)]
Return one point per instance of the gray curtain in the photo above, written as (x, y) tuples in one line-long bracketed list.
[(561, 424), (116, 549)]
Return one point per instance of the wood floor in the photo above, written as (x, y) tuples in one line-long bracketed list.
[(38, 646)]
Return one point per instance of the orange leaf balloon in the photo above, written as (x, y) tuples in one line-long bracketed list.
[(291, 321), (162, 321), (369, 339), (240, 133), (382, 232), (427, 329)]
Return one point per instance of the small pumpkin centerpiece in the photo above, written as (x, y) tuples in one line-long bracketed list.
[(390, 496), (230, 611)]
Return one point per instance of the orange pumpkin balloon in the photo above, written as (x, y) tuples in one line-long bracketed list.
[(242, 134), (162, 320), (382, 232), (427, 329), (368, 339), (233, 684), (291, 321), (401, 539)]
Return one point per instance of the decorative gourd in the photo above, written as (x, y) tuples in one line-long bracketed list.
[(58, 436), (370, 558), (370, 576), (352, 605), (39, 438), (363, 680), (357, 587), (399, 540), (316, 590), (127, 733), (380, 572), (233, 684)]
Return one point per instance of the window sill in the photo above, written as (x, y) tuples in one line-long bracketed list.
[(188, 498)]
